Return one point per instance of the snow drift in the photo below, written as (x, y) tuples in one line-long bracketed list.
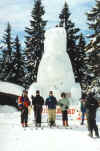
[(10, 88), (7, 109)]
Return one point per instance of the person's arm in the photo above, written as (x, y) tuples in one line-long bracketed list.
[(87, 106), (33, 102), (42, 101), (46, 102), (96, 104), (60, 103), (67, 104), (55, 100), (81, 107), (29, 103), (19, 102)]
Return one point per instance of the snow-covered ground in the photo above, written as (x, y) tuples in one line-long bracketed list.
[(14, 138), (10, 88)]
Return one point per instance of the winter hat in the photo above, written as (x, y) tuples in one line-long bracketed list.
[(37, 92)]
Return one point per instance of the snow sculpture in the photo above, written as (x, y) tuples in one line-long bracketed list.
[(76, 94), (55, 70)]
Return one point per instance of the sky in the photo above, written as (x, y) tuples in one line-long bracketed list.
[(18, 13)]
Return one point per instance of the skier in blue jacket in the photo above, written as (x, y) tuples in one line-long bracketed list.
[(51, 103)]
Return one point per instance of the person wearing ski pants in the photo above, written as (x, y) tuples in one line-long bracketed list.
[(83, 109), (51, 103), (23, 104), (37, 103), (91, 107), (64, 104)]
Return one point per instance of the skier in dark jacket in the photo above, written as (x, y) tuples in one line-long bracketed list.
[(91, 107), (23, 104), (51, 103), (37, 102)]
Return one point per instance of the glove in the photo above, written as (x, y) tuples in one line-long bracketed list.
[(66, 107), (20, 107), (61, 105)]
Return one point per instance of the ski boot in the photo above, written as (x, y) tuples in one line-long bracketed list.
[(97, 134), (90, 134), (26, 125)]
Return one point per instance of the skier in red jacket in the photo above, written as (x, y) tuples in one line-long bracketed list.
[(23, 103)]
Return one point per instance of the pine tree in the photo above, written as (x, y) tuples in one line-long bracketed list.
[(93, 48), (18, 73), (1, 57), (81, 62), (72, 40), (6, 66), (8, 40), (35, 41)]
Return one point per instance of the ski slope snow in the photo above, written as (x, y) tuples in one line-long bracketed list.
[(14, 138)]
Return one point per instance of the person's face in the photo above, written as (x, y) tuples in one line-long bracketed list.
[(63, 96), (38, 93), (51, 94), (25, 93)]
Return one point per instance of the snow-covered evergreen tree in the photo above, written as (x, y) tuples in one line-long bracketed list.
[(35, 41), (75, 43), (1, 56), (18, 68), (81, 62), (6, 65), (93, 47)]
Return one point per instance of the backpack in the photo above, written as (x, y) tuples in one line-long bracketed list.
[(20, 102), (23, 102)]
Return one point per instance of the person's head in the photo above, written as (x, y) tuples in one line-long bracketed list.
[(25, 93), (37, 92), (63, 95), (50, 93), (84, 96), (91, 94)]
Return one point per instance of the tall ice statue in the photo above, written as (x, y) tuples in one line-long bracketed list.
[(55, 70)]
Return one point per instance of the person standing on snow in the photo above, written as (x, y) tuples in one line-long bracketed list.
[(37, 102), (64, 104), (83, 109), (91, 107), (51, 103), (23, 104)]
